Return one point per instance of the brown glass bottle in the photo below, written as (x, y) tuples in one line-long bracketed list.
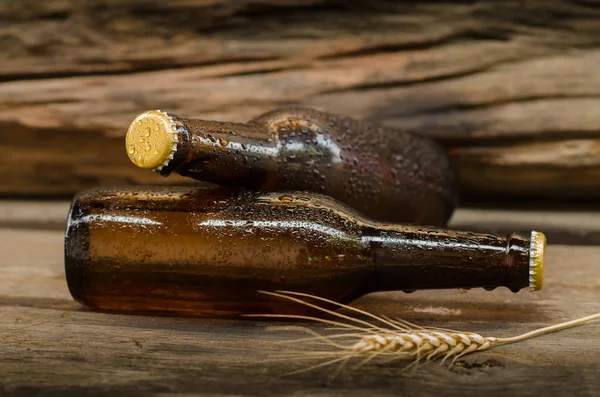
[(207, 252), (385, 174)]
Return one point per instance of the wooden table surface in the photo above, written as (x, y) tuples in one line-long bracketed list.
[(51, 346)]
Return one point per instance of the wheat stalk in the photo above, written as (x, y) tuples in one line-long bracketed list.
[(384, 337)]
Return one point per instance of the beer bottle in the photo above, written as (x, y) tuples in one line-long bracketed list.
[(207, 251), (385, 174)]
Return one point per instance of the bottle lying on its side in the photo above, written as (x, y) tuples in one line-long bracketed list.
[(386, 174), (203, 251)]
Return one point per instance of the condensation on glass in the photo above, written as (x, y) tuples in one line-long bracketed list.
[(200, 251), (386, 174)]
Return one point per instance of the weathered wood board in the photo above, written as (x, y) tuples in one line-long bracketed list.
[(511, 88), (51, 346)]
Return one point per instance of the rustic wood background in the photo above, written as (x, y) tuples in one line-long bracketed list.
[(51, 346), (512, 88)]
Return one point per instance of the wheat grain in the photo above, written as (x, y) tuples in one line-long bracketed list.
[(384, 337)]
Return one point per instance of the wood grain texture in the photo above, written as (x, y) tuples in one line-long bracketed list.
[(51, 346), (511, 88)]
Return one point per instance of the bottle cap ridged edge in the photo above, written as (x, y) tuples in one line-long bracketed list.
[(537, 250)]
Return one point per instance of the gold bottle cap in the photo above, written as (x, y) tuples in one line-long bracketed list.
[(151, 140), (536, 261)]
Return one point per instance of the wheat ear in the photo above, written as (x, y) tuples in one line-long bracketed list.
[(395, 339)]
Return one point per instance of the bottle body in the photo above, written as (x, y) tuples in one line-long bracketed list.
[(206, 251), (385, 174), (201, 251)]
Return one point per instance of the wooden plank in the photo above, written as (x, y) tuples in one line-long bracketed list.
[(34, 214), (51, 346), (510, 88), (565, 226)]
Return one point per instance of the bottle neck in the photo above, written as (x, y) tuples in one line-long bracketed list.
[(420, 258), (206, 135), (220, 152)]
